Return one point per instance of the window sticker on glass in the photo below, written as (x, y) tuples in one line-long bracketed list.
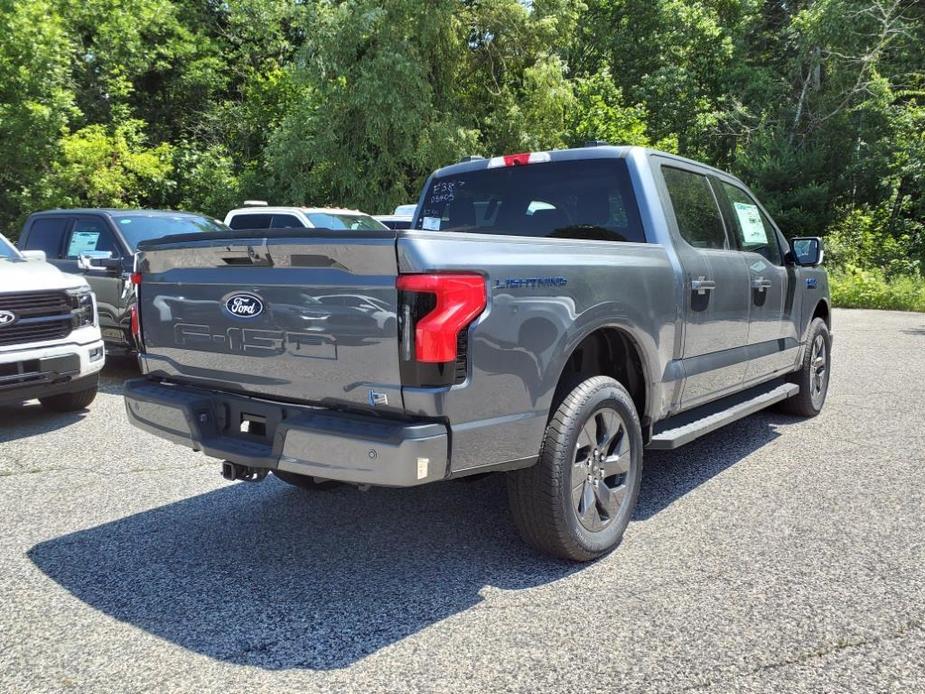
[(432, 223), (753, 230), (82, 242)]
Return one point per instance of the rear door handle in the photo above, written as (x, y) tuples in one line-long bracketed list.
[(760, 283), (702, 285)]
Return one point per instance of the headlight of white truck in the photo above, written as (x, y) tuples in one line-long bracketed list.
[(84, 307)]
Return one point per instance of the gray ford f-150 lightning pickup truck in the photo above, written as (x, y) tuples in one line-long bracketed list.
[(548, 315)]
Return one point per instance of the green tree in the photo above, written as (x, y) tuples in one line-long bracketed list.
[(139, 60), (36, 100), (599, 113), (376, 109), (98, 167)]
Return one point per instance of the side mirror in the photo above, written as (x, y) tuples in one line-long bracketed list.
[(35, 256), (806, 251), (99, 261)]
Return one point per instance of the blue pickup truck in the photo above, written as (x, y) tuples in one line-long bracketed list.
[(549, 315)]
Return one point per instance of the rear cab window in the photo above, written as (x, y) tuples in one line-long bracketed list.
[(588, 199), (251, 221), (695, 208)]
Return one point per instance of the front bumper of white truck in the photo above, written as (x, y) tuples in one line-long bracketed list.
[(38, 372)]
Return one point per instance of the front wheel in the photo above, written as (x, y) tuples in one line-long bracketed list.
[(576, 502), (70, 402), (813, 376)]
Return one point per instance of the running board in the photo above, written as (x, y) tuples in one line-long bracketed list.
[(674, 438)]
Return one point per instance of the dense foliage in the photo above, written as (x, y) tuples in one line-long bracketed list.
[(818, 104)]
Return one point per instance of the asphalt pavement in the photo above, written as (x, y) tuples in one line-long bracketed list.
[(775, 555)]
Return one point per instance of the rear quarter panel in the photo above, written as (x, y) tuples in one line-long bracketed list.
[(519, 346)]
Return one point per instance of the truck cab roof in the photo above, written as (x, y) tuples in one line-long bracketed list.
[(112, 212), (570, 154)]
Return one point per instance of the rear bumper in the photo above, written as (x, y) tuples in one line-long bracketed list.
[(308, 441)]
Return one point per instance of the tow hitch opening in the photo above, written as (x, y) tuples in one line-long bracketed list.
[(233, 471)]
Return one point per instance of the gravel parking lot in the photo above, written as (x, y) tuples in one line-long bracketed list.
[(777, 554)]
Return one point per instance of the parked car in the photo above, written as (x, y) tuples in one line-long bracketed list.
[(100, 244), (50, 343), (401, 218), (555, 313), (258, 215)]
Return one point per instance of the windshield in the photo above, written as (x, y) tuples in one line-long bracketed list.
[(582, 199), (329, 220), (138, 227), (7, 251)]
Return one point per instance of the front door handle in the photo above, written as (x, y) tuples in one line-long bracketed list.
[(702, 285), (761, 284)]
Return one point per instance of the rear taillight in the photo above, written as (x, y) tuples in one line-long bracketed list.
[(136, 326), (133, 312), (436, 310)]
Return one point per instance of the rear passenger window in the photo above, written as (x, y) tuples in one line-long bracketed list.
[(754, 232), (251, 221), (695, 209), (285, 221), (89, 235), (47, 235)]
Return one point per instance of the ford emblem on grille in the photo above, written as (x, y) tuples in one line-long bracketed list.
[(244, 305), (7, 318)]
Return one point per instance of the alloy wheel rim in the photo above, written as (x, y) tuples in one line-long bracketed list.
[(818, 369), (600, 469)]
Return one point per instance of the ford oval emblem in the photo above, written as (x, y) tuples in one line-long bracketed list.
[(7, 318), (244, 305)]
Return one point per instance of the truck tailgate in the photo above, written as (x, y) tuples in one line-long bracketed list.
[(306, 316)]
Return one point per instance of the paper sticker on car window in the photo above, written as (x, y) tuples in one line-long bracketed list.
[(753, 230), (82, 242), (432, 223)]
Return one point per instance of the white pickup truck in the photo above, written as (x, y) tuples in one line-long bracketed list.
[(50, 342)]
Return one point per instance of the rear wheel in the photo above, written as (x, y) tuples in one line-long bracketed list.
[(304, 482), (70, 402), (576, 502), (813, 376)]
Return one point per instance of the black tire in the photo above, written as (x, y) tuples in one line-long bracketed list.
[(70, 402), (546, 500), (813, 386), (304, 482)]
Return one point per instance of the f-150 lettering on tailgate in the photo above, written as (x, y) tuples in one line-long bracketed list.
[(254, 341)]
